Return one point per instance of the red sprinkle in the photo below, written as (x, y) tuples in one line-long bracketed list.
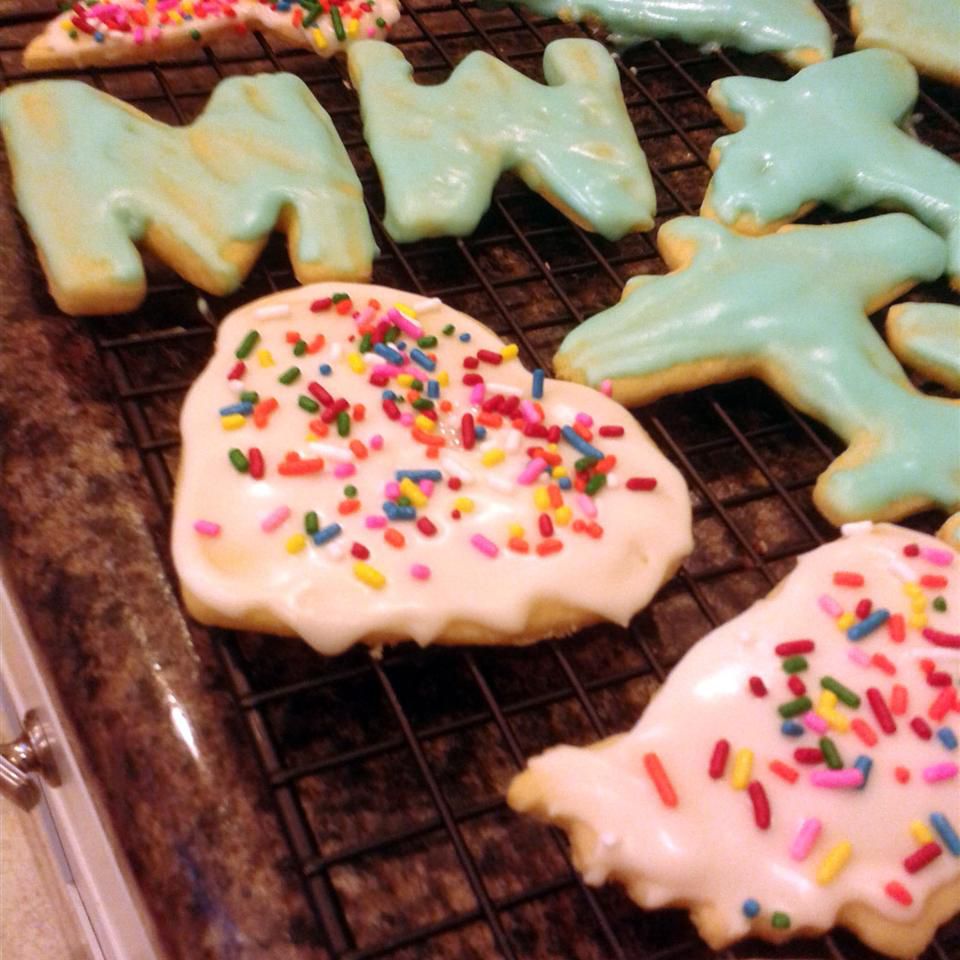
[(898, 699), (426, 526), (391, 409), (921, 728), (902, 774), (642, 483), (718, 759), (933, 581), (660, 779), (797, 687), (911, 550), (792, 647), (546, 525), (237, 370), (863, 608), (939, 678), (880, 711), (879, 660), (488, 356), (467, 434), (808, 755), (940, 638), (864, 731), (896, 628), (359, 551), (518, 545), (921, 857), (757, 687), (843, 578), (942, 705), (546, 547), (320, 393), (761, 805), (472, 379), (898, 892), (324, 303), (611, 431), (784, 771), (255, 459)]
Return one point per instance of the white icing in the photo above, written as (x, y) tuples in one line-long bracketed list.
[(244, 569)]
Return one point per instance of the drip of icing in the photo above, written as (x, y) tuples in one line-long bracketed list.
[(830, 134), (792, 309), (440, 149), (204, 196), (794, 30), (467, 541), (926, 336), (825, 847)]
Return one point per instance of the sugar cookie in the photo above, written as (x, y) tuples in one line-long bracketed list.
[(93, 176), (926, 32), (361, 465), (131, 31), (926, 337), (794, 30), (440, 149), (829, 134), (791, 309), (798, 769)]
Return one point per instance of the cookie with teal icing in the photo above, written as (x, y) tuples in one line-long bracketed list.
[(94, 178), (926, 337), (831, 134), (790, 308), (926, 32), (793, 30), (440, 149)]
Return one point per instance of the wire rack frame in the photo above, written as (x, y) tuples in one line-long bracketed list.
[(665, 87)]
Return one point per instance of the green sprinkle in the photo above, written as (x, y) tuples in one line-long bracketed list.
[(311, 522), (844, 694), (337, 24), (794, 664), (780, 921), (337, 297), (793, 708), (240, 463), (72, 34), (422, 403), (585, 463), (349, 491), (939, 604), (288, 376), (247, 344), (830, 753), (311, 18), (404, 502), (391, 334), (595, 483), (365, 344), (250, 396), (308, 404), (343, 421), (427, 342), (381, 23), (416, 385), (300, 348), (448, 330), (194, 34)]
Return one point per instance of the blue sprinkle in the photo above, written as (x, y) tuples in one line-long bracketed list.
[(864, 764), (417, 475), (98, 36), (565, 483), (576, 441), (947, 834), (480, 432), (422, 360), (537, 391), (868, 624), (790, 728), (433, 389), (244, 408), (750, 908), (400, 344), (388, 353), (388, 395), (464, 337), (326, 369), (394, 512), (326, 534), (947, 737)]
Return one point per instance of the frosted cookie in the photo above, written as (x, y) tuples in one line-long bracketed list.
[(203, 198), (798, 769), (95, 34), (361, 465), (440, 149), (831, 134), (926, 337), (926, 32), (791, 309), (794, 30)]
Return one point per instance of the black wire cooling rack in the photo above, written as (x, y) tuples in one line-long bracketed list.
[(388, 774)]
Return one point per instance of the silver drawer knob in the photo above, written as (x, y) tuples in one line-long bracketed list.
[(29, 753)]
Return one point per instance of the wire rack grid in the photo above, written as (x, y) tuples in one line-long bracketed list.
[(388, 774)]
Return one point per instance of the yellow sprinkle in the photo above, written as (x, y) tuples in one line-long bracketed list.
[(838, 721), (405, 379), (742, 768), (918, 620), (558, 472), (913, 589), (368, 575), (356, 363), (552, 447), (463, 504), (443, 378), (827, 701), (406, 311), (515, 529), (187, 7), (563, 516), (918, 604), (510, 351), (541, 499), (67, 25), (834, 862), (353, 27), (311, 437), (413, 493), (233, 421), (424, 423), (296, 543), (920, 832), (319, 40), (175, 17), (265, 357), (492, 457), (845, 621)]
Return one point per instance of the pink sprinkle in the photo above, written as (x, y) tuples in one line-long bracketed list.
[(484, 545), (531, 471), (391, 490), (385, 370), (477, 392), (858, 657), (587, 507), (207, 528), (813, 721), (420, 571), (936, 556), (529, 412), (375, 522), (371, 32), (585, 419), (406, 419), (410, 328), (376, 442), (848, 777), (155, 33), (427, 487), (805, 839), (606, 388), (365, 316), (940, 771), (829, 606), (138, 35), (274, 519), (342, 470)]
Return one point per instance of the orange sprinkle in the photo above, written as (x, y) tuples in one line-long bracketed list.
[(555, 495), (345, 507), (784, 771), (394, 537), (433, 453), (427, 439), (296, 467), (373, 303), (358, 448), (490, 419), (896, 628), (359, 412), (864, 731), (262, 411), (606, 464), (344, 306), (583, 432), (548, 546), (518, 545), (661, 781), (594, 530), (902, 774), (319, 341), (292, 336), (446, 406)]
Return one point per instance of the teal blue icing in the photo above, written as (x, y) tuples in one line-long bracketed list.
[(832, 134), (791, 308), (927, 336), (440, 149), (793, 29), (91, 175)]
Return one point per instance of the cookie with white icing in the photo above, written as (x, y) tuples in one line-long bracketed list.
[(362, 465), (926, 337), (131, 31), (798, 769)]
